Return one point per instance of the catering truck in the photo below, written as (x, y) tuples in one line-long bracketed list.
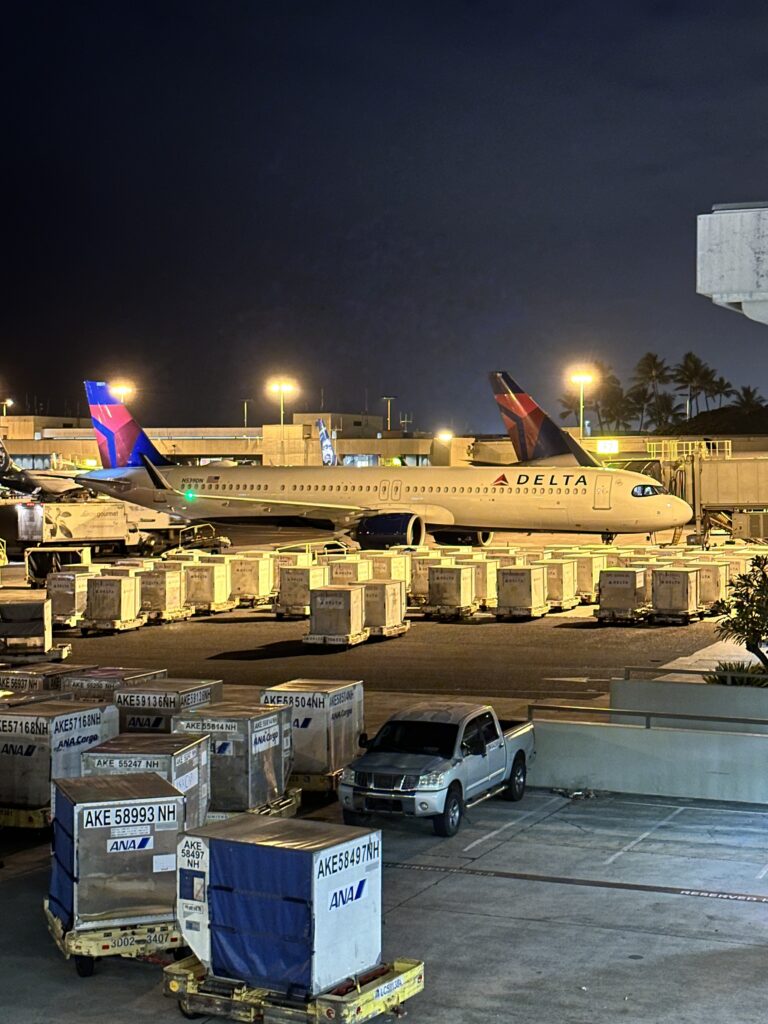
[(434, 760)]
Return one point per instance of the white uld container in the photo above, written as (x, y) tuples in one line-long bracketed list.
[(486, 580), (328, 717), (560, 581), (675, 591), (296, 584), (40, 677), (521, 589), (588, 569), (337, 610), (385, 603), (451, 586), (113, 598), (284, 559), (350, 570), (317, 923), (99, 682), (420, 564), (622, 589), (68, 593), (713, 582), (161, 591), (180, 758), (251, 578), (150, 706), (43, 741), (208, 583), (388, 565)]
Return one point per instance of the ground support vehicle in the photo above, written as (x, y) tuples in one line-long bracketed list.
[(385, 632), (89, 626), (434, 760), (39, 562), (381, 990), (342, 640), (132, 940)]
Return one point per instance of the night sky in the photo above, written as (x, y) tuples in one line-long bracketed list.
[(396, 196)]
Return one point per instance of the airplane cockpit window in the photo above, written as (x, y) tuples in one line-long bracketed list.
[(647, 490)]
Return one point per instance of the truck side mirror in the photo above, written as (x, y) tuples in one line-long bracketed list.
[(363, 740)]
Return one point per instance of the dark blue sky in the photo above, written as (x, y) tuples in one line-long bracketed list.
[(391, 195)]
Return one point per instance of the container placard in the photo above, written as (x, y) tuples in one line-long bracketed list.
[(192, 893), (161, 813)]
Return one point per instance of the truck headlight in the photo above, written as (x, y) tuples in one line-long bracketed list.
[(348, 777), (432, 780)]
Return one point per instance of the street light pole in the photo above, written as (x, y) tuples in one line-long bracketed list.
[(389, 399), (581, 379), (281, 388), (6, 402)]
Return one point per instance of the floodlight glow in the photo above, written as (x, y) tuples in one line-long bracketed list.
[(608, 446), (122, 389), (444, 435)]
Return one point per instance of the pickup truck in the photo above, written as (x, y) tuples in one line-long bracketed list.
[(434, 760)]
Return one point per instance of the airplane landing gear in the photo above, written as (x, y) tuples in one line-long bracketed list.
[(607, 538)]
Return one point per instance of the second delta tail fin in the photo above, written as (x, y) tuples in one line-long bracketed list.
[(534, 435), (327, 450), (121, 440)]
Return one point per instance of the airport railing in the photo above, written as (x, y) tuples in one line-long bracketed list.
[(652, 672), (647, 716)]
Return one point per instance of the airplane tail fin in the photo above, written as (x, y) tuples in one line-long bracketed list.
[(534, 435), (327, 450), (121, 440)]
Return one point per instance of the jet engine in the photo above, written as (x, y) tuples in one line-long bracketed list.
[(389, 529), (475, 538)]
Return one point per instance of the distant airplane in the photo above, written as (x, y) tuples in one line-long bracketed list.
[(382, 506), (327, 451), (43, 482), (535, 437)]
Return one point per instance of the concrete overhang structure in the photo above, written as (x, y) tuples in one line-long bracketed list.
[(732, 258)]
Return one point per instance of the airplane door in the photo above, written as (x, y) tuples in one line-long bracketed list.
[(396, 485), (603, 483), (384, 490)]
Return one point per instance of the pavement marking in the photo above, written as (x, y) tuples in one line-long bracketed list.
[(510, 824), (762, 873), (693, 807), (593, 883), (640, 838)]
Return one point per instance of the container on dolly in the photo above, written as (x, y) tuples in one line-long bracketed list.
[(150, 707)]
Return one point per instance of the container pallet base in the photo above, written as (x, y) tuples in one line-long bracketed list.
[(674, 618), (25, 817), (244, 601), (286, 807), (169, 615), (621, 618), (317, 782), (291, 611), (564, 606), (448, 614), (214, 607), (381, 990), (66, 621), (515, 614), (342, 640), (88, 626), (18, 656), (385, 632), (132, 940), (590, 598)]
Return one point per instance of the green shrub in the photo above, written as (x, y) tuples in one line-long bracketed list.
[(757, 676)]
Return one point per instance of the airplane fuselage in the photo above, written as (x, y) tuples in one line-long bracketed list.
[(549, 499)]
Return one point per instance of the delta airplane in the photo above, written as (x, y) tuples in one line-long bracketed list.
[(44, 483), (384, 505)]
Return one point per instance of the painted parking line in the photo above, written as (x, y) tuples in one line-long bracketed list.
[(511, 824), (640, 838)]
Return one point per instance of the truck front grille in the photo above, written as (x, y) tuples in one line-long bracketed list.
[(376, 780)]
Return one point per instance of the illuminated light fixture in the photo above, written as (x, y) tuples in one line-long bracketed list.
[(608, 446), (6, 404), (444, 435), (281, 387), (190, 495), (90, 462), (121, 389), (582, 378)]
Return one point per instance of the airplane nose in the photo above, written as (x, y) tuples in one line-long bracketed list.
[(681, 512)]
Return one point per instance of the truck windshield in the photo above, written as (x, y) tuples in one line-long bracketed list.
[(401, 737)]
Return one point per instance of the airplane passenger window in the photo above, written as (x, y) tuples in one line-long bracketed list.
[(282, 487), (517, 490), (453, 490), (429, 489), (551, 491), (485, 490)]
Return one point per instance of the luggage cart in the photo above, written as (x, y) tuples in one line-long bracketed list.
[(381, 990)]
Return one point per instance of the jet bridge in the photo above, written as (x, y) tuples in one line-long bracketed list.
[(732, 258)]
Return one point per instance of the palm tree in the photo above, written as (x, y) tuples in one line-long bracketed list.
[(605, 384), (690, 377), (651, 372), (570, 405), (639, 398), (748, 400), (617, 411), (664, 410), (720, 389)]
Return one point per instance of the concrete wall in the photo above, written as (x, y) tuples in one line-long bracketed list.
[(651, 762), (690, 698)]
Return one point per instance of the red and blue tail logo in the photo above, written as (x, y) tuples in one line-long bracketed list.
[(535, 437), (121, 440)]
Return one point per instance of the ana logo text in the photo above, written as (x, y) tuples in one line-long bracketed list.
[(131, 844), (349, 894)]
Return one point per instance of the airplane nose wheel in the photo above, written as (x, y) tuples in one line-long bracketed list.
[(607, 538)]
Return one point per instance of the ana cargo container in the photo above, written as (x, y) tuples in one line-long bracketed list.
[(114, 865), (328, 717), (622, 595), (182, 759), (251, 752), (43, 741), (100, 682), (451, 591), (296, 585), (317, 922), (149, 707), (521, 592), (337, 616), (42, 677), (675, 595)]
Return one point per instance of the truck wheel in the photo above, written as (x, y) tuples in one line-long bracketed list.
[(189, 1014), (84, 966), (516, 785), (448, 823)]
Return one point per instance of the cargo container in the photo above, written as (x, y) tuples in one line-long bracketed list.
[(388, 565), (162, 592), (521, 591), (68, 593), (149, 707), (283, 559), (675, 593), (452, 589), (385, 604), (420, 565), (43, 741), (350, 570), (317, 922), (560, 576), (100, 682), (328, 717), (114, 841), (251, 751), (296, 584), (486, 572), (113, 599), (251, 579), (588, 568), (337, 614), (26, 627), (182, 759), (713, 582), (208, 586), (622, 594), (41, 677)]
